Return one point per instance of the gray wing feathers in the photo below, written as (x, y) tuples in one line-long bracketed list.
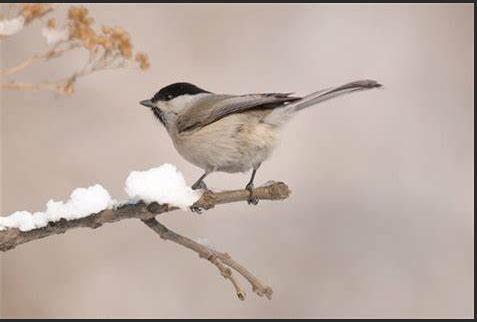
[(222, 105), (214, 108)]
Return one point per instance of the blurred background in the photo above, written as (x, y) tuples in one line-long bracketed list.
[(381, 219)]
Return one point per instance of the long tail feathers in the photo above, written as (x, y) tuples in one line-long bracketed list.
[(279, 115), (333, 92)]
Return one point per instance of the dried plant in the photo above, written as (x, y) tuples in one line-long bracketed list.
[(108, 47)]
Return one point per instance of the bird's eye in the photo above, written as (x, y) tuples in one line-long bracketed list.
[(169, 97)]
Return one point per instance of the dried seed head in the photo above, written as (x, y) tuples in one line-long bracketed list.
[(51, 23), (80, 15), (31, 11), (143, 60), (106, 30)]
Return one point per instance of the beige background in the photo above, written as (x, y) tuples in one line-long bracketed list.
[(381, 218)]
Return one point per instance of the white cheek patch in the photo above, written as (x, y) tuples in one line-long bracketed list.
[(163, 106), (183, 102)]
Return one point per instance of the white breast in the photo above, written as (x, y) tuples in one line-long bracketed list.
[(235, 143)]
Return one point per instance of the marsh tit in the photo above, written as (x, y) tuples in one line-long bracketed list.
[(231, 133)]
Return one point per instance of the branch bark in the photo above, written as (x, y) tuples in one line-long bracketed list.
[(217, 258), (11, 238)]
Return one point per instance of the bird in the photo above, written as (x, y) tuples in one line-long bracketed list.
[(232, 133)]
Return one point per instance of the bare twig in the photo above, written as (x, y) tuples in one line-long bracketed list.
[(227, 273), (215, 257), (60, 86), (211, 255), (19, 86), (44, 56)]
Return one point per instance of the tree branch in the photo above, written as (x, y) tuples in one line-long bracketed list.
[(10, 238), (215, 257)]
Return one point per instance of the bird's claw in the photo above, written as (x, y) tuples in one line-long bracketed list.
[(196, 209), (252, 200), (199, 185)]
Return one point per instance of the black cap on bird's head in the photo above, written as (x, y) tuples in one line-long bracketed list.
[(172, 91)]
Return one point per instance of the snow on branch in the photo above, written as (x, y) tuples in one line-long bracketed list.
[(153, 192), (12, 237)]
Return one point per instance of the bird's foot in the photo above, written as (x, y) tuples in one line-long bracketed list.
[(199, 185), (196, 209), (252, 200)]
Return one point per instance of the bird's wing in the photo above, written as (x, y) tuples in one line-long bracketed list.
[(213, 109)]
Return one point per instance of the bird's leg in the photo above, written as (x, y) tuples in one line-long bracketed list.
[(252, 200), (199, 184)]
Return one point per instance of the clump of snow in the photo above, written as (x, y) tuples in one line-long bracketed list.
[(164, 185), (10, 27), (22, 220), (82, 203), (54, 35)]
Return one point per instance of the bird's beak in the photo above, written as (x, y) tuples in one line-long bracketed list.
[(148, 103)]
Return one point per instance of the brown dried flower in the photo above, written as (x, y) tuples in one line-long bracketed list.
[(51, 23), (121, 41), (105, 43), (80, 15), (31, 11), (143, 60), (106, 30), (80, 27), (111, 38)]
